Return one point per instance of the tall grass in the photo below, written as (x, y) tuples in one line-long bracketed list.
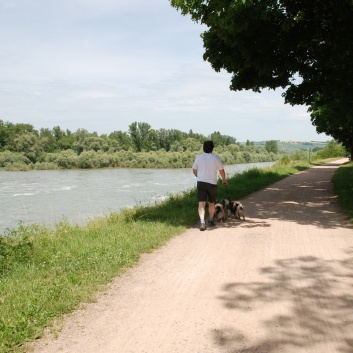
[(343, 187), (47, 272)]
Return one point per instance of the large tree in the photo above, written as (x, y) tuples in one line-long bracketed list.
[(302, 46)]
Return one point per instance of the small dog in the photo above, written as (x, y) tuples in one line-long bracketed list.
[(236, 209), (221, 210)]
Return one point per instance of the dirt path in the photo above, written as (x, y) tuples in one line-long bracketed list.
[(282, 281)]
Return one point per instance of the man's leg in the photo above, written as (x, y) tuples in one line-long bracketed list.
[(211, 210), (201, 210), (212, 197), (202, 215)]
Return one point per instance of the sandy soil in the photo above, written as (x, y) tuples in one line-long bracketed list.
[(282, 281)]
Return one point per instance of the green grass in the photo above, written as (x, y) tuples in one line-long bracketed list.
[(343, 187), (46, 272)]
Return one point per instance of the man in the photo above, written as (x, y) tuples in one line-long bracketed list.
[(206, 167)]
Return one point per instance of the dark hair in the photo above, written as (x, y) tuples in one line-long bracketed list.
[(208, 146)]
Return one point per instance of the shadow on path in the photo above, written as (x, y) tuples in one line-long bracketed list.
[(305, 198), (319, 302)]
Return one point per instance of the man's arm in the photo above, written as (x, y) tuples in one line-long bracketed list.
[(223, 175), (195, 172)]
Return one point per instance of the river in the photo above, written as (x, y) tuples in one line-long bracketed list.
[(48, 197)]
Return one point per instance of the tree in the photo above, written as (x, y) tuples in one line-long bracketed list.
[(48, 140), (341, 129), (223, 140), (28, 143), (271, 146), (331, 150), (122, 138), (81, 143), (269, 43), (9, 131), (3, 134), (164, 139), (135, 135), (304, 47)]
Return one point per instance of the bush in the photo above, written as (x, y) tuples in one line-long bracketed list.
[(64, 159), (17, 167), (331, 150), (8, 157), (254, 173), (45, 166), (16, 247), (285, 160)]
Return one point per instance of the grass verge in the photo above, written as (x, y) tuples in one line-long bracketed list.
[(46, 272), (343, 187)]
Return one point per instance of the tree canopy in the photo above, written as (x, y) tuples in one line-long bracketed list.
[(304, 47)]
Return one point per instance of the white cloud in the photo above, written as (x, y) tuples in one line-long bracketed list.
[(102, 64)]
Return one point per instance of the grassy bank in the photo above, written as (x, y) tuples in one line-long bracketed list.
[(343, 187), (46, 272)]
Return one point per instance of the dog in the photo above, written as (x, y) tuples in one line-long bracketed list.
[(221, 210), (236, 209)]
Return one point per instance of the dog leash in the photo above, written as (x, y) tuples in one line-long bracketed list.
[(227, 191)]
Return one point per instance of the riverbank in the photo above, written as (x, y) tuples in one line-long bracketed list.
[(48, 273), (48, 197)]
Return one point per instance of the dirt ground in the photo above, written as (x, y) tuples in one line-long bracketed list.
[(281, 281)]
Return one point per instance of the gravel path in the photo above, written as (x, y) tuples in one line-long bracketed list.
[(281, 281)]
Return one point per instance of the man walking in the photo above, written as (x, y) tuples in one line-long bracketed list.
[(206, 167)]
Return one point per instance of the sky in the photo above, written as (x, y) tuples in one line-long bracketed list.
[(101, 65)]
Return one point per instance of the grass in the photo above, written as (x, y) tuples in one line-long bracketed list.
[(46, 272), (343, 187)]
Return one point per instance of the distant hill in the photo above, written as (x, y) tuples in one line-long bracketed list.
[(292, 146)]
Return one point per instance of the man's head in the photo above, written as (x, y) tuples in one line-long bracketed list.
[(208, 146)]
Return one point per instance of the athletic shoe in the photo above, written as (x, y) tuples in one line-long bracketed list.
[(211, 223), (203, 227)]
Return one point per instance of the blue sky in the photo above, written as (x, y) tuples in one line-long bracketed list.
[(103, 64)]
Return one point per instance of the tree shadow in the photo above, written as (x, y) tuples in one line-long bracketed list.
[(304, 198), (318, 296)]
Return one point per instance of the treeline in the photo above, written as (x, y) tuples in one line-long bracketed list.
[(22, 147)]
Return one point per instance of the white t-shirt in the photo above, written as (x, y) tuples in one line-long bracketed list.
[(207, 166)]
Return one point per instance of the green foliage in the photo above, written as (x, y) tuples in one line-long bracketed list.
[(272, 146), (141, 147), (343, 187), (331, 150), (17, 167), (325, 108), (64, 159), (285, 160), (303, 47), (8, 157), (16, 247)]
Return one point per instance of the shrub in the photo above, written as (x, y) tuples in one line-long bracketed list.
[(253, 173), (64, 159), (8, 157), (17, 167), (16, 247), (45, 166), (285, 160)]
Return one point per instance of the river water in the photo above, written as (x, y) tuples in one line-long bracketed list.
[(48, 197)]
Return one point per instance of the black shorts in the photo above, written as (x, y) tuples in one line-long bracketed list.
[(206, 192)]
